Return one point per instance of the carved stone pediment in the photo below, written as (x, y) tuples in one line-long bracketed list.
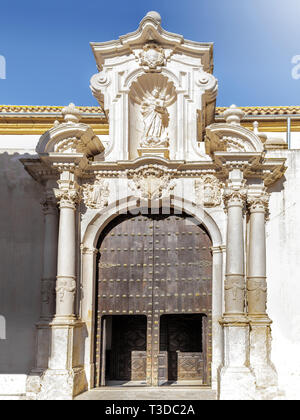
[(151, 182), (222, 137), (231, 136), (70, 137), (127, 69)]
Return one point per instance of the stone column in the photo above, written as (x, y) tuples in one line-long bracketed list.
[(88, 308), (49, 256), (65, 377), (48, 280), (260, 330), (66, 258), (49, 205), (235, 266), (236, 380)]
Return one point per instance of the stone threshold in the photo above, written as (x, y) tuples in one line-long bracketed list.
[(187, 393)]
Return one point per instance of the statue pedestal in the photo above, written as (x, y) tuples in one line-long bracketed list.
[(154, 151)]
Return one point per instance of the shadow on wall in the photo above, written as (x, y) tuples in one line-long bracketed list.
[(21, 247), (278, 186)]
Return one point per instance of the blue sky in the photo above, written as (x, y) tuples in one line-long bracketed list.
[(49, 60)]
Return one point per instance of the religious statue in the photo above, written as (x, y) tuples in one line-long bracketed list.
[(156, 119)]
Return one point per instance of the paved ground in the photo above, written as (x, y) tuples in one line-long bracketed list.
[(162, 393)]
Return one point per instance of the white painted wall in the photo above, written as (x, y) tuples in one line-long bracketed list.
[(21, 242), (283, 264)]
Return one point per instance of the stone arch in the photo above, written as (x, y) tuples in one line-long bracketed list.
[(88, 275), (100, 220)]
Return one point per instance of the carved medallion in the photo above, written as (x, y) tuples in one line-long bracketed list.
[(152, 58), (151, 182)]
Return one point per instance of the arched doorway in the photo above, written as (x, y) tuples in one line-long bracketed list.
[(154, 301)]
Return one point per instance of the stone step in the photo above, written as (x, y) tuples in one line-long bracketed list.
[(147, 393)]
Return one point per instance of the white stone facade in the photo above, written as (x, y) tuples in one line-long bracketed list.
[(165, 148)]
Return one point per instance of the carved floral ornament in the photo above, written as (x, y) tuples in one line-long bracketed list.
[(151, 182), (233, 197), (96, 195), (70, 197), (208, 191)]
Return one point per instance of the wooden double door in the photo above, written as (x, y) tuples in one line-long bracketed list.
[(154, 301)]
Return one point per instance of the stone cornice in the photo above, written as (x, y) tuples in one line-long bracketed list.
[(39, 170)]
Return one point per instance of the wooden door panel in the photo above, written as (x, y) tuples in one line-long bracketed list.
[(155, 265)]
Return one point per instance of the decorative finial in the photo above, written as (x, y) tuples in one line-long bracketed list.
[(154, 15), (233, 115), (263, 137), (71, 114)]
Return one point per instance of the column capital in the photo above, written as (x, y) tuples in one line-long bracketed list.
[(234, 197), (259, 203), (68, 195)]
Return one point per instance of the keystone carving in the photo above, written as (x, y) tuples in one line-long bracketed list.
[(151, 182)]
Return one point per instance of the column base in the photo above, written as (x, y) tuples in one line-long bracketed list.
[(237, 383), (64, 377), (43, 345), (260, 356), (62, 384)]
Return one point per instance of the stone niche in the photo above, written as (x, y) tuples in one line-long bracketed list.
[(152, 116), (158, 92)]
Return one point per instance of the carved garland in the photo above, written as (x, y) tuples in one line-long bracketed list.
[(64, 286)]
